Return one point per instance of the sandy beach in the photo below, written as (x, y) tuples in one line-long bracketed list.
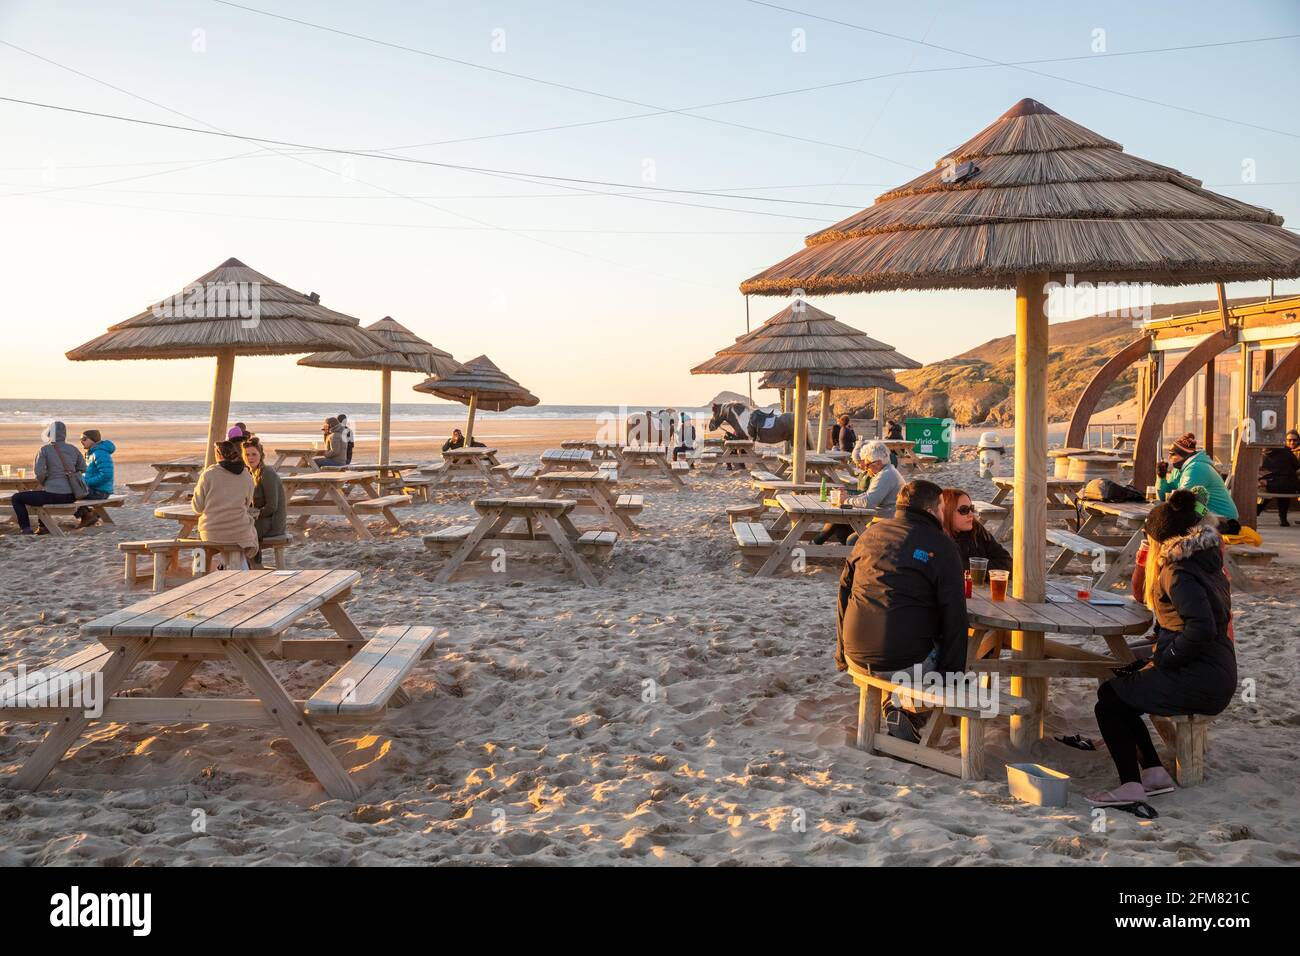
[(681, 713)]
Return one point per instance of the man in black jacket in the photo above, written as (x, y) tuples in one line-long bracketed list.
[(902, 595)]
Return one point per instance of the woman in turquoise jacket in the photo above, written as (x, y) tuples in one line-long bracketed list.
[(1187, 467), (99, 471)]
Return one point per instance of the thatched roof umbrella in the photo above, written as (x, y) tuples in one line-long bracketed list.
[(799, 339), (232, 310), (480, 384), (826, 382), (404, 352), (1032, 196)]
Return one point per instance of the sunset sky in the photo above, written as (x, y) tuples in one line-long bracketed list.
[(584, 287)]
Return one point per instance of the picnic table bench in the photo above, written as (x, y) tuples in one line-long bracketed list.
[(601, 450), (166, 567), (816, 466), (593, 489), (329, 493), (472, 463), (565, 459), (291, 459), (802, 516), (1021, 626), (177, 478), (743, 453), (50, 517), (550, 516), (655, 458), (240, 617), (1057, 491)]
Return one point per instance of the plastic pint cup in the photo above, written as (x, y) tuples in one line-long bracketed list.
[(998, 585), (979, 569)]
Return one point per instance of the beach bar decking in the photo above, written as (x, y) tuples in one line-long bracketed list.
[(1204, 373)]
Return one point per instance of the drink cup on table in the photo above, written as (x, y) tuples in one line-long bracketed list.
[(979, 569), (998, 585), (4, 471), (1151, 494)]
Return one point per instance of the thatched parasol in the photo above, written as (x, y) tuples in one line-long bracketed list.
[(1031, 196), (826, 382), (479, 384), (232, 310), (404, 352), (799, 339)]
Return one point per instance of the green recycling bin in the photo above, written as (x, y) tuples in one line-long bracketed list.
[(930, 436)]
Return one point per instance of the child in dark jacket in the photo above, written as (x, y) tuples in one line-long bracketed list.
[(1193, 669)]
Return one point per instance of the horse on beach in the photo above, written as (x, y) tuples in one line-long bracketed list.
[(756, 424)]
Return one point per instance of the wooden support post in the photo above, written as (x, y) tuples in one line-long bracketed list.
[(1029, 507), (385, 415), (469, 425), (880, 413), (823, 419), (1207, 432), (218, 420), (800, 439)]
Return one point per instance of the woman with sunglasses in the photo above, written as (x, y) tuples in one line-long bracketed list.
[(973, 539)]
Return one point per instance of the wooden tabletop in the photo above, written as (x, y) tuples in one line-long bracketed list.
[(297, 451), (811, 458), (645, 450), (813, 505), (590, 443), (580, 456), (573, 477), (737, 443), (1071, 616), (787, 487), (180, 464), (526, 504), (327, 477), (14, 483), (1066, 484), (227, 605), (1135, 511), (468, 452)]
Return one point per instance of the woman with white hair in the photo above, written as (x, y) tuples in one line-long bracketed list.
[(881, 494)]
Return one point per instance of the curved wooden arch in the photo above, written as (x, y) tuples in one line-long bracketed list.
[(1245, 470), (1116, 366), (1147, 451)]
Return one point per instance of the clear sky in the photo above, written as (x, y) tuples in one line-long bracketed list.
[(584, 298)]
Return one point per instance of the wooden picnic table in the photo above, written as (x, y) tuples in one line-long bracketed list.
[(820, 465), (178, 477), (330, 493), (905, 450), (653, 457), (549, 516), (742, 453), (601, 450), (1057, 490), (594, 488), (1021, 626), (13, 484), (1130, 517), (292, 459), (802, 516), (240, 617), (566, 459), (473, 462)]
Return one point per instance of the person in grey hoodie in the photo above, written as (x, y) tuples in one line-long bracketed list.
[(336, 438), (55, 461)]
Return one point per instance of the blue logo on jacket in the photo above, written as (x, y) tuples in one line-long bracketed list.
[(921, 554)]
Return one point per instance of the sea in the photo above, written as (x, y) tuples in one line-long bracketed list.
[(109, 411)]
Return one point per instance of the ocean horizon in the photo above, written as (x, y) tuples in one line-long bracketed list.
[(39, 410)]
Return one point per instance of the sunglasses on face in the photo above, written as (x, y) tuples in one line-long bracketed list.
[(1293, 441), (964, 510)]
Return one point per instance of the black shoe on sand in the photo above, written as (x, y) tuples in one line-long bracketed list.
[(901, 724)]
